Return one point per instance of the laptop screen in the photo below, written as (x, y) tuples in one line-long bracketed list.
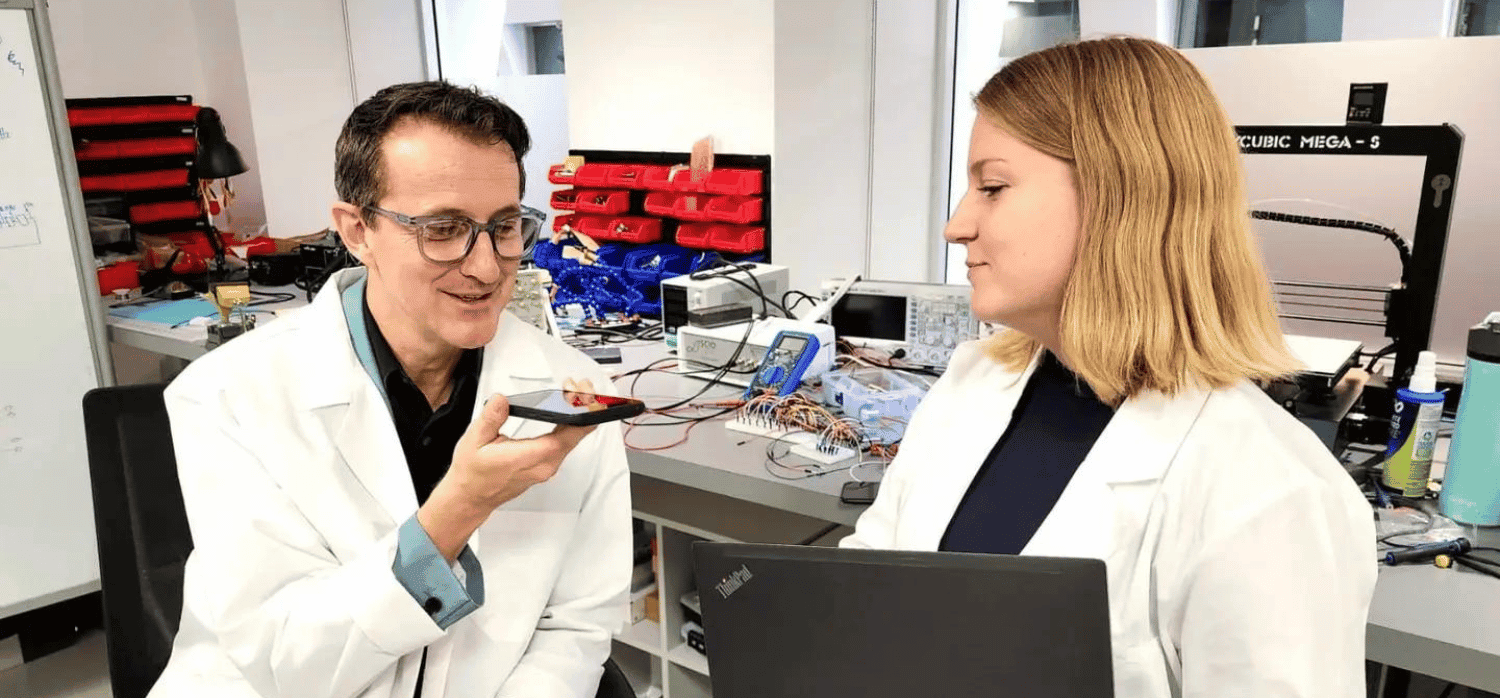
[(795, 621)]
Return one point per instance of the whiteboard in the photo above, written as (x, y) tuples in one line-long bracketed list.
[(52, 330)]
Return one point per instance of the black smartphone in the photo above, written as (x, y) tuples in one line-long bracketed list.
[(572, 407), (859, 492)]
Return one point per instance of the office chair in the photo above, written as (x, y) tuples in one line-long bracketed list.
[(144, 539), (142, 530)]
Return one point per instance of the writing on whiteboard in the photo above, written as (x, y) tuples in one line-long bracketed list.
[(12, 216), (10, 57), (18, 226), (10, 441), (4, 134)]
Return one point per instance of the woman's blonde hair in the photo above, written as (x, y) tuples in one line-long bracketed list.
[(1168, 290)]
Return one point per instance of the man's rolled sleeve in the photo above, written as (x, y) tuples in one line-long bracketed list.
[(432, 582)]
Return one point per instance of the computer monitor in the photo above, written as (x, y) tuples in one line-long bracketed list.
[(798, 621)]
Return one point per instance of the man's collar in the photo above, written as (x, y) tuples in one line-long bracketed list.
[(389, 368)]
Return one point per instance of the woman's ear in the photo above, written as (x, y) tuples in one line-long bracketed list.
[(347, 219)]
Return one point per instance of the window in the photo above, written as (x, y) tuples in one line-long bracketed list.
[(1478, 18), (545, 46), (1205, 23)]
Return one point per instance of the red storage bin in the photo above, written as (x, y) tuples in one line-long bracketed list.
[(135, 181), (603, 201), (555, 175), (735, 182), (735, 209), (165, 211), (592, 175), (143, 114), (691, 207), (695, 235), (120, 275), (626, 176), (560, 221), (654, 177), (565, 199), (636, 230), (660, 203), (143, 148), (739, 239), (597, 227), (683, 181)]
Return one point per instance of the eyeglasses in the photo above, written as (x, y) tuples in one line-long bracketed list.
[(447, 240)]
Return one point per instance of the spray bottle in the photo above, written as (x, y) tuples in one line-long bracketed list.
[(1414, 429)]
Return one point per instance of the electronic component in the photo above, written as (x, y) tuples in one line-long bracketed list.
[(720, 315), (532, 300), (784, 363), (926, 321), (700, 348), (739, 283)]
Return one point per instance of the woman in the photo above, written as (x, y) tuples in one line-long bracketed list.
[(1118, 418)]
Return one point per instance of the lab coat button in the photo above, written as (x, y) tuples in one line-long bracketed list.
[(432, 606)]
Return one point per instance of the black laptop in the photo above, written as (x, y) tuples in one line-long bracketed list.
[(784, 621)]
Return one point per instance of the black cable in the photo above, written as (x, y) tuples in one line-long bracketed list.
[(1477, 567), (800, 297), (1395, 238), (1448, 690), (1385, 351)]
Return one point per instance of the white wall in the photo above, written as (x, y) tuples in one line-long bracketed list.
[(660, 75), (301, 89), (908, 176), (1432, 81), (307, 63), (820, 172)]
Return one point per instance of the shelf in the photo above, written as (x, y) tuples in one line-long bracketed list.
[(644, 636), (688, 658)]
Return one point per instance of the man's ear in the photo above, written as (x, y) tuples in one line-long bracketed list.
[(352, 230)]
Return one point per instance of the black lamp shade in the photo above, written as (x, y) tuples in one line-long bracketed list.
[(217, 157)]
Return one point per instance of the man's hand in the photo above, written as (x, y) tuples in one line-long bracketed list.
[(489, 470)]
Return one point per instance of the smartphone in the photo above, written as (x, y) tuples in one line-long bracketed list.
[(859, 492), (572, 407)]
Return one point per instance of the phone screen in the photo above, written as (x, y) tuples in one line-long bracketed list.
[(567, 402)]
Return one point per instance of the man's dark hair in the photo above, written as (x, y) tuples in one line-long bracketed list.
[(359, 168)]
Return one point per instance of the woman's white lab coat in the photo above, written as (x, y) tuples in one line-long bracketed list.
[(1240, 556), (295, 484)]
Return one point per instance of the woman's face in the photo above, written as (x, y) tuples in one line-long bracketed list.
[(1019, 224)]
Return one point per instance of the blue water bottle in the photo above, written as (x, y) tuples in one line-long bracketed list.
[(1471, 486)]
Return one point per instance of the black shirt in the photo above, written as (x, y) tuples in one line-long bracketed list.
[(1055, 424), (427, 436)]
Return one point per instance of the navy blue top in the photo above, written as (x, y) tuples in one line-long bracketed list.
[(1053, 428)]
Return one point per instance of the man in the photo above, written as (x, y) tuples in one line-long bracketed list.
[(356, 533)]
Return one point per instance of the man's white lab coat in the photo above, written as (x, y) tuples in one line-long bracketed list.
[(1241, 557), (295, 483)]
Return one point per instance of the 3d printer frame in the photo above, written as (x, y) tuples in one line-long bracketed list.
[(1409, 311)]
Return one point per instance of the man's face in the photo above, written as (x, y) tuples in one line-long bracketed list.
[(435, 308)]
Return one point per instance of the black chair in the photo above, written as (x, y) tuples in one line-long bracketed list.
[(142, 530), (144, 539), (613, 683)]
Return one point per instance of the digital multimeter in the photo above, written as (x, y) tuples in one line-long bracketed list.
[(785, 361)]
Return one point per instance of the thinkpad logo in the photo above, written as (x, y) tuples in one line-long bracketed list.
[(734, 581)]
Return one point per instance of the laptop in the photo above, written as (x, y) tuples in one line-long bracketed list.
[(784, 621)]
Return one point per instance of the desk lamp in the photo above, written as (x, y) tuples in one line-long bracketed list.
[(217, 159)]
